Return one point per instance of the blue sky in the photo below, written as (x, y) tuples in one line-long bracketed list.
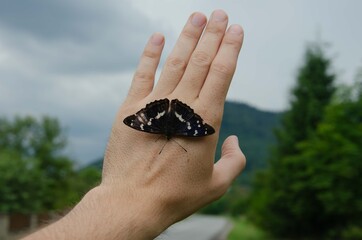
[(74, 60)]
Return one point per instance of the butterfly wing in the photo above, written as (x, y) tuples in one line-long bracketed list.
[(186, 122), (151, 119)]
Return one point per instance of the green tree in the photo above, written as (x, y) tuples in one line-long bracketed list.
[(21, 183), (38, 145), (310, 96), (275, 201), (330, 185)]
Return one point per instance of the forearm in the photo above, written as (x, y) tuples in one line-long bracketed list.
[(101, 214)]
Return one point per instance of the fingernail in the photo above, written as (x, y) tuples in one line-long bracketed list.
[(198, 20), (219, 15), (236, 139), (157, 39), (235, 29)]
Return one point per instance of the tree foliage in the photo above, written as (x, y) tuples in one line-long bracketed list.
[(284, 201), (332, 175), (310, 96), (233, 203), (21, 183), (35, 175)]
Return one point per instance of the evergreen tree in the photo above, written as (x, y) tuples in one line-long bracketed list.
[(310, 96), (330, 185), (275, 200)]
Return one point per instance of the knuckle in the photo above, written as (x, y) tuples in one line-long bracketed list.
[(235, 43), (143, 76), (201, 58), (150, 54), (213, 117), (187, 33), (176, 63), (215, 29), (225, 70)]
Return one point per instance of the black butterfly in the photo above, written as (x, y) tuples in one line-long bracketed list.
[(176, 120)]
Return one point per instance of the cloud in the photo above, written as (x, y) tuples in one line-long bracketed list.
[(74, 36), (72, 60)]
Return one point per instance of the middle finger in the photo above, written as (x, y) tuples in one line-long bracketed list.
[(202, 57), (177, 61)]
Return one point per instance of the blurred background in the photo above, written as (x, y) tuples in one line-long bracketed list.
[(295, 103)]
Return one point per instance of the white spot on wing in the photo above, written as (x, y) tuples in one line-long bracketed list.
[(179, 117), (149, 123), (160, 114), (195, 133), (188, 127), (141, 126)]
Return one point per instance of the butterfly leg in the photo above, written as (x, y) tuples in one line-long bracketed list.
[(162, 146)]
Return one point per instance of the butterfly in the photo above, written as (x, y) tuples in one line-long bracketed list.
[(170, 119)]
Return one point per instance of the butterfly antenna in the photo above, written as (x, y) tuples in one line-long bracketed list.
[(158, 138), (179, 145)]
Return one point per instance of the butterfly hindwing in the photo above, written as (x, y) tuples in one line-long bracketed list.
[(151, 119), (187, 122)]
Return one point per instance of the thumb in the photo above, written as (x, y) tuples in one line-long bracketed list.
[(231, 163)]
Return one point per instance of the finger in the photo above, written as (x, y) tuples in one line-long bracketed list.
[(143, 80), (203, 55), (223, 67), (177, 61), (231, 163)]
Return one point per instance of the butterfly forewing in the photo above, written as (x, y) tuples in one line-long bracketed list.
[(186, 122), (150, 119)]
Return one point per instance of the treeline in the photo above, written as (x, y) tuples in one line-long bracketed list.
[(35, 176), (311, 187)]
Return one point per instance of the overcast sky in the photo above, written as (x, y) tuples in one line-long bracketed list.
[(74, 59)]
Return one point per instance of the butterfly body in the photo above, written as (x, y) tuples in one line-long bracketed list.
[(170, 118)]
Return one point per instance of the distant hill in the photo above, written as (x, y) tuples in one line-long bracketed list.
[(254, 129)]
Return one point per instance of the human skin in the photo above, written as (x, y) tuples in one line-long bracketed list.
[(142, 191)]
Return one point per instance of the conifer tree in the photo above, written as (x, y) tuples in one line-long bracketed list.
[(310, 96), (274, 203)]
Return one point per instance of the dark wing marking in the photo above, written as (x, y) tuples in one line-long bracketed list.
[(151, 119), (186, 122)]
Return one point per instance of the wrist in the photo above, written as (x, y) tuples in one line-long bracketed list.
[(104, 214), (124, 216)]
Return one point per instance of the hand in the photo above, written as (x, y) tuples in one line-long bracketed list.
[(198, 72), (142, 191)]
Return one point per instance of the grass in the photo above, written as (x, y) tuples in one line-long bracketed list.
[(245, 230)]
